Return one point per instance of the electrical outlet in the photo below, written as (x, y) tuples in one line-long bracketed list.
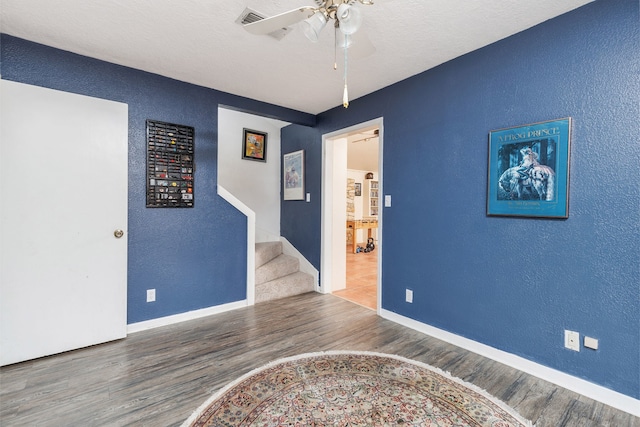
[(409, 296), (151, 295), (572, 340)]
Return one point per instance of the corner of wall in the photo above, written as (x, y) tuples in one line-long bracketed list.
[(263, 235), (305, 265), (251, 241), (584, 387)]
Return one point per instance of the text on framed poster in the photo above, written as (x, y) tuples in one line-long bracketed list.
[(529, 170)]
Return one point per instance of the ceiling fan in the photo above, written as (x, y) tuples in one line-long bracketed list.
[(347, 19)]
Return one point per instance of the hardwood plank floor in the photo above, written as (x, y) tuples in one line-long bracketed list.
[(158, 377), (362, 278)]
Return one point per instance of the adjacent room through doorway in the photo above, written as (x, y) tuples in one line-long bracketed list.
[(361, 238)]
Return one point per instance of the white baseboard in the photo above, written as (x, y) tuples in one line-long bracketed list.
[(596, 392), (183, 317)]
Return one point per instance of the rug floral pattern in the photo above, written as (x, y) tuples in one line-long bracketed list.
[(352, 389)]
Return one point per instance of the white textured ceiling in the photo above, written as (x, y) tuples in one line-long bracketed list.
[(198, 41)]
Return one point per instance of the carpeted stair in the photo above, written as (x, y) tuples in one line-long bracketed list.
[(278, 275)]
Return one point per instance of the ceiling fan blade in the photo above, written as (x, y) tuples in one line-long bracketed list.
[(283, 20)]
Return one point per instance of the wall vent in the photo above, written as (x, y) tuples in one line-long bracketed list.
[(249, 16)]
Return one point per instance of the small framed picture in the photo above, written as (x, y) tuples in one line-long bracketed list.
[(358, 188), (254, 145), (293, 175), (529, 170)]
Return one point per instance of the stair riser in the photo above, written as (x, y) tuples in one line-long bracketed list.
[(278, 267), (293, 284), (266, 252), (278, 275)]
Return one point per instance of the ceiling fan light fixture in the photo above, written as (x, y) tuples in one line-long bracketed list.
[(349, 17), (313, 25), (345, 15)]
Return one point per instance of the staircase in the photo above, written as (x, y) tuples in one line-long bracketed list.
[(278, 275)]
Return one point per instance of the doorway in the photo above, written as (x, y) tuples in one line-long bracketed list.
[(352, 214)]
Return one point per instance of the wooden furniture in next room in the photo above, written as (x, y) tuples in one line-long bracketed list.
[(367, 224)]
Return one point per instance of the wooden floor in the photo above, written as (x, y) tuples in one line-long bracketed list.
[(362, 278), (158, 377)]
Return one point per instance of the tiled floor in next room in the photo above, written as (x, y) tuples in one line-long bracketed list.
[(362, 279)]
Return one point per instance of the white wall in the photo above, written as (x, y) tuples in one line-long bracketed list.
[(256, 184), (363, 155), (336, 149)]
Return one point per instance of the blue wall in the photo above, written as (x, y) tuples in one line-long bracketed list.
[(194, 258), (512, 283), (299, 220)]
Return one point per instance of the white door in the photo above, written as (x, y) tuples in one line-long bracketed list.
[(63, 179)]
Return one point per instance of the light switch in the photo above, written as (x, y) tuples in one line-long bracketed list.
[(408, 296), (308, 197), (387, 200)]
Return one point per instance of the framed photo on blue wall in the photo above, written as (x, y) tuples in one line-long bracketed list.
[(293, 175), (254, 145), (529, 170)]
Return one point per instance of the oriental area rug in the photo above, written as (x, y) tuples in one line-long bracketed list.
[(352, 389)]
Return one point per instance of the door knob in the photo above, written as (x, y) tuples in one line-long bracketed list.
[(118, 233)]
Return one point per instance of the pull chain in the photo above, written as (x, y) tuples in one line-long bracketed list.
[(345, 95), (335, 48)]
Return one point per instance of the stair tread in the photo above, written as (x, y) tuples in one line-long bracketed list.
[(278, 275), (281, 265), (285, 286), (280, 259), (266, 251), (298, 276)]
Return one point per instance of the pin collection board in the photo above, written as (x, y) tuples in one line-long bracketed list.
[(170, 165)]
